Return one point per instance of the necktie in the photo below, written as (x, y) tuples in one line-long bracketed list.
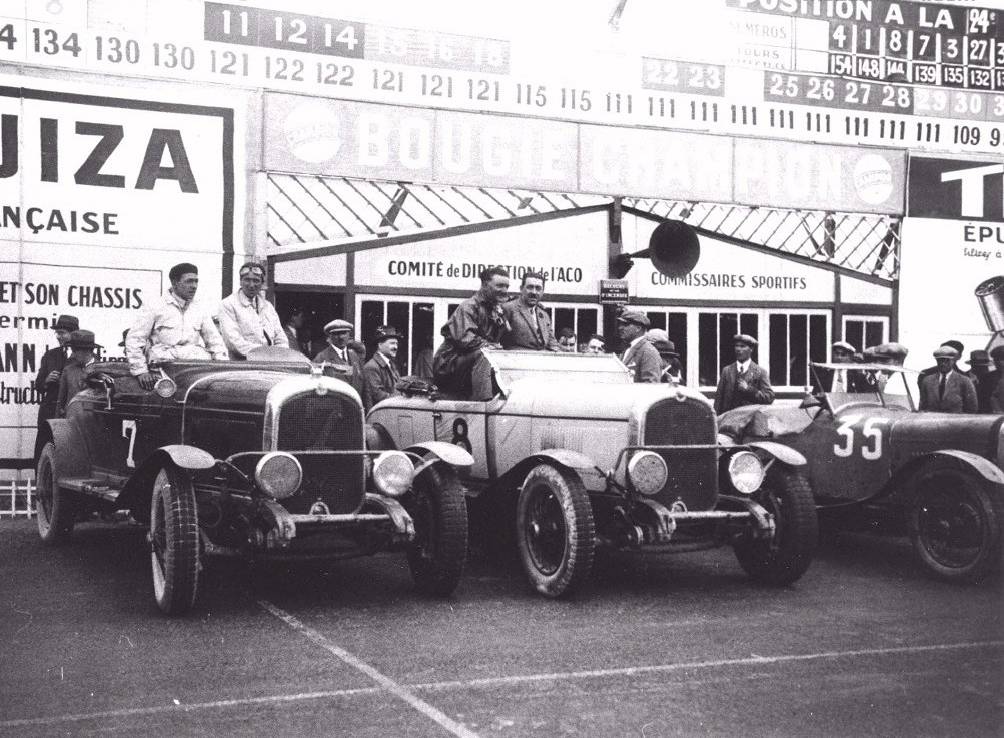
[(941, 387), (839, 384)]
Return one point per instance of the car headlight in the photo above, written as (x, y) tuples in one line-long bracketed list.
[(746, 472), (278, 474), (392, 473), (648, 472)]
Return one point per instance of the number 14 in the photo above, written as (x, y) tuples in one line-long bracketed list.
[(871, 446)]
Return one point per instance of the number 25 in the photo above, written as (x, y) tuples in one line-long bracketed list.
[(872, 433)]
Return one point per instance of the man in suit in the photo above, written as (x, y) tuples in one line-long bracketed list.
[(947, 390), (380, 374), (74, 379), (338, 352), (986, 377), (50, 368), (292, 328), (744, 382), (959, 348), (839, 380), (530, 327), (640, 357)]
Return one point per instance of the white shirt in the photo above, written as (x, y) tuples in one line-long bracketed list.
[(245, 327), (169, 329), (743, 367)]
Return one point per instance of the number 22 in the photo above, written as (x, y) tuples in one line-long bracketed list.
[(871, 431)]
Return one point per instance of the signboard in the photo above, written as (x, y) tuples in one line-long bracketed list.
[(909, 74), (613, 292), (952, 256)]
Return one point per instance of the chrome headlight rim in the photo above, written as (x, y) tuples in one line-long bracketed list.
[(393, 473), (741, 479), (648, 472), (267, 485)]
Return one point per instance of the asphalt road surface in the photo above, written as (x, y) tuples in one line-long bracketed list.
[(864, 644)]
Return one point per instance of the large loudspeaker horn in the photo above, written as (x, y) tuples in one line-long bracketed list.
[(674, 248)]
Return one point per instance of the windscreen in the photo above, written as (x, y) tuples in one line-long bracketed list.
[(560, 367)]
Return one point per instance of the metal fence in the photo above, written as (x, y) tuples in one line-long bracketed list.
[(17, 498)]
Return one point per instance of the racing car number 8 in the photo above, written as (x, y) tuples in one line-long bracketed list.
[(871, 446)]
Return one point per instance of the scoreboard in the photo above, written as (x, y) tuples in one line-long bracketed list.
[(919, 75)]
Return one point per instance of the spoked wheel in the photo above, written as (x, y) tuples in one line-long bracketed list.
[(56, 511), (555, 530), (437, 505), (955, 524), (786, 556), (174, 541)]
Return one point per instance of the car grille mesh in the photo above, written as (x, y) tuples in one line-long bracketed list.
[(693, 473), (311, 422)]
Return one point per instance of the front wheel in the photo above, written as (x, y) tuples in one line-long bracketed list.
[(437, 556), (555, 530), (955, 524), (783, 558), (174, 541), (55, 508)]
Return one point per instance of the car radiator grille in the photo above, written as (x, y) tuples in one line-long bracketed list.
[(311, 422), (693, 473)]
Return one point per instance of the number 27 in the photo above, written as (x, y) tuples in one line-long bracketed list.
[(871, 448)]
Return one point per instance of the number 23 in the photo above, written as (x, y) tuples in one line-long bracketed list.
[(871, 448)]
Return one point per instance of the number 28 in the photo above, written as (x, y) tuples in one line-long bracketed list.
[(871, 446)]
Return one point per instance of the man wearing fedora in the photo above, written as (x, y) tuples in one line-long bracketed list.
[(173, 328), (530, 326), (947, 390), (247, 320), (672, 370), (74, 379), (380, 374), (339, 353), (743, 382), (50, 369), (640, 357)]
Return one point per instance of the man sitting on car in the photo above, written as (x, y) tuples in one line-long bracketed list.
[(529, 322), (247, 319), (478, 322), (173, 328)]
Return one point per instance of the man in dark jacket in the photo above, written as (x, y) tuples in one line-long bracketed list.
[(986, 377), (947, 390), (339, 353), (380, 374), (478, 322), (744, 382), (74, 378), (640, 357), (530, 326), (50, 369)]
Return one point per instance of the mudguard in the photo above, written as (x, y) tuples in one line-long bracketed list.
[(448, 452), (985, 468), (189, 457), (784, 454), (71, 451), (592, 478)]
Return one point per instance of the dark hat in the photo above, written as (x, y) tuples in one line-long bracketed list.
[(66, 323), (666, 348), (179, 270), (979, 357), (745, 338), (891, 350), (946, 352), (637, 317), (385, 332), (82, 340), (337, 325), (997, 353), (957, 345), (125, 334)]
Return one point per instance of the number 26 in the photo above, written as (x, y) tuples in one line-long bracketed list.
[(871, 448)]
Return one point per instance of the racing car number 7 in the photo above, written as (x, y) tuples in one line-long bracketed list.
[(871, 446)]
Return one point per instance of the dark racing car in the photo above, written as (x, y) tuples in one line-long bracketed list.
[(876, 463), (262, 459)]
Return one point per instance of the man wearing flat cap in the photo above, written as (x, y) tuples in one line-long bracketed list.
[(50, 369), (247, 320), (174, 328), (339, 353), (74, 378), (959, 348), (744, 382), (672, 370), (640, 357), (380, 374), (838, 380), (947, 391)]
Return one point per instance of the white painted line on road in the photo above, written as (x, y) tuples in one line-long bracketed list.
[(662, 668), (402, 693), (494, 681)]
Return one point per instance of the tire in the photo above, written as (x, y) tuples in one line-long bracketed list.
[(555, 531), (784, 558), (437, 556), (955, 521), (174, 541), (55, 508)]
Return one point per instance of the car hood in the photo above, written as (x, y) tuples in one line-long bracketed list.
[(600, 401), (978, 434)]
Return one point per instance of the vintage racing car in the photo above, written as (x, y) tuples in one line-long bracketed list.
[(877, 463), (570, 454), (262, 459)]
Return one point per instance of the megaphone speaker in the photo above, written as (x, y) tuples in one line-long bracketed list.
[(674, 248)]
